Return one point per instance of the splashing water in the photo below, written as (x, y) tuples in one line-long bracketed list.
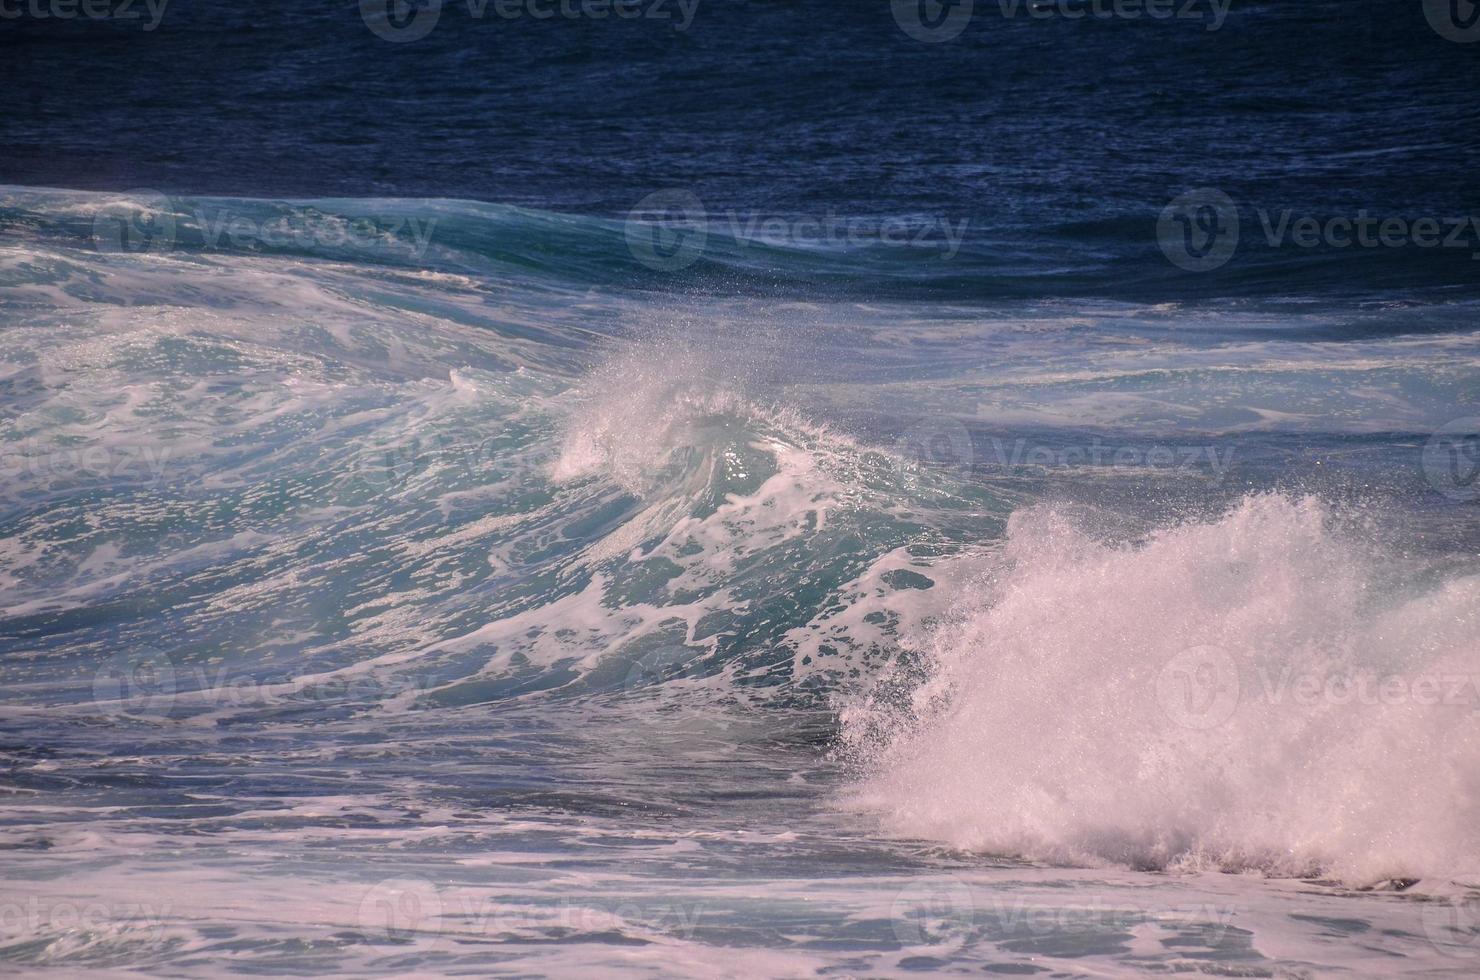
[(1258, 692), (513, 610)]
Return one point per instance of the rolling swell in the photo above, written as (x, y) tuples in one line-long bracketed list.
[(731, 253)]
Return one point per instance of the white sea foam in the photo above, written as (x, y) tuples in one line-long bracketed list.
[(1260, 692)]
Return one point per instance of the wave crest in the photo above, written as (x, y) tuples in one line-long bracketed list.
[(1260, 692)]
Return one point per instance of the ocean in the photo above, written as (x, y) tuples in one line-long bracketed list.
[(721, 489)]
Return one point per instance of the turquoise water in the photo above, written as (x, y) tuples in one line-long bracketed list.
[(398, 586)]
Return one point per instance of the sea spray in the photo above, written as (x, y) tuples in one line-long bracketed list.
[(1151, 705)]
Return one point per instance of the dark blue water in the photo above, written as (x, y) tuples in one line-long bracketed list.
[(1057, 140)]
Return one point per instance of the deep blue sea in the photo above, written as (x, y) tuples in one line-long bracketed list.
[(657, 488)]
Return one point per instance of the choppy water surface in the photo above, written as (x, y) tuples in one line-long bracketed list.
[(481, 613)]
